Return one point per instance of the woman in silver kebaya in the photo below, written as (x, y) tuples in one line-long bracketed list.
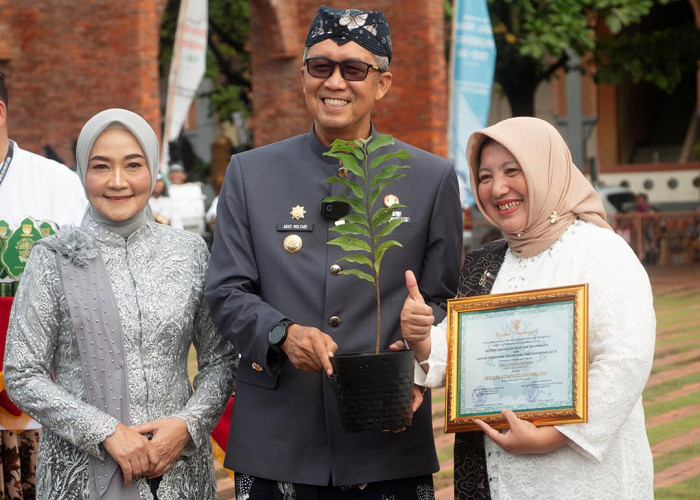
[(100, 333)]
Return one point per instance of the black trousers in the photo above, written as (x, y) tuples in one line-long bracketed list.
[(420, 488), (154, 483)]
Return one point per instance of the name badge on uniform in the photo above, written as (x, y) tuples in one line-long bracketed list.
[(294, 226)]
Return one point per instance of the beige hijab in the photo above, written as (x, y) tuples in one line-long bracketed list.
[(558, 192)]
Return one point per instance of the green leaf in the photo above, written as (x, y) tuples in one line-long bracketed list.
[(389, 172), (389, 228), (379, 142), (359, 152), (350, 229), (400, 155), (349, 162), (339, 145), (350, 244), (356, 148), (381, 250), (358, 259), (358, 273), (353, 186), (378, 178), (376, 191), (382, 216), (356, 219), (614, 23)]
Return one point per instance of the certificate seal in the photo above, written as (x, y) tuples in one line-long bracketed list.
[(479, 395), (531, 393)]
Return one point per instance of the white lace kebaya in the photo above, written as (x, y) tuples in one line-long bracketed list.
[(608, 457)]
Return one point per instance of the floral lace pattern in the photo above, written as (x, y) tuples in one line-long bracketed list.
[(158, 277), (609, 457), (612, 447)]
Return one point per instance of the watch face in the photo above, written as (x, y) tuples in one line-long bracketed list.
[(277, 334)]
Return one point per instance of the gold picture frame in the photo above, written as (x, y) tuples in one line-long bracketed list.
[(503, 353)]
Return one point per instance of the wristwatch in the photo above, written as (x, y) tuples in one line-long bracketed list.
[(278, 334)]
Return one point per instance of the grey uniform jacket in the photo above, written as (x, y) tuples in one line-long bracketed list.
[(285, 423)]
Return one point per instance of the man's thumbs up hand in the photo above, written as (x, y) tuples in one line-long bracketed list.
[(416, 316), (412, 286)]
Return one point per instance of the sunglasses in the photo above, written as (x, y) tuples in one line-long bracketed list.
[(353, 71)]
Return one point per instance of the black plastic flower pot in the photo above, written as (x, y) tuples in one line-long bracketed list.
[(374, 391)]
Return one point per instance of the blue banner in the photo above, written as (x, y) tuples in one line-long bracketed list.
[(473, 61)]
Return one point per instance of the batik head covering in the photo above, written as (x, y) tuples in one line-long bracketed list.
[(369, 29), (146, 137), (557, 191)]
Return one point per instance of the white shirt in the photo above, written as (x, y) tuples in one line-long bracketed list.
[(609, 456), (42, 189), (211, 213), (163, 206), (188, 206)]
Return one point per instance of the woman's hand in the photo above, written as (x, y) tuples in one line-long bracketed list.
[(169, 437), (416, 319), (133, 452), (523, 437)]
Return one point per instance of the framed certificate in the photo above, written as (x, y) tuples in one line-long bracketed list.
[(525, 351)]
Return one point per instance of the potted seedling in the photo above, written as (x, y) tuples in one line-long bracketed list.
[(374, 389)]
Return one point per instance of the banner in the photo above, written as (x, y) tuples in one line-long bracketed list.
[(186, 69), (473, 61)]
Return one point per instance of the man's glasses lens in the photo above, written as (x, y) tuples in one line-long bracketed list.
[(321, 67)]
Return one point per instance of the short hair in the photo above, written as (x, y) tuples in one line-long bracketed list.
[(3, 90), (382, 62)]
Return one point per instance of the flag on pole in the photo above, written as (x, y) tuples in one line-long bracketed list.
[(473, 62), (186, 69)]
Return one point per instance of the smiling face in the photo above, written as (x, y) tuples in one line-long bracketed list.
[(502, 188), (342, 109), (118, 180)]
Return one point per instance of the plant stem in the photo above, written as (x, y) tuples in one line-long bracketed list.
[(373, 241), (379, 313)]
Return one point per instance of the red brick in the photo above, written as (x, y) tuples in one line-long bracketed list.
[(67, 60)]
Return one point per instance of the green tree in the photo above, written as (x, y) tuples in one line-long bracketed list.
[(532, 38), (659, 50), (228, 59)]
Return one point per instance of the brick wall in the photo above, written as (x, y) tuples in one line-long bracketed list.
[(67, 60), (414, 110)]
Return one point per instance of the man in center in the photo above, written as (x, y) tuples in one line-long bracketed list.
[(274, 290)]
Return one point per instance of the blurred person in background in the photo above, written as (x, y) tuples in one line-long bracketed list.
[(37, 197)]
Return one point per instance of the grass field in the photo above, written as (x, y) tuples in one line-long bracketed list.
[(672, 397)]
